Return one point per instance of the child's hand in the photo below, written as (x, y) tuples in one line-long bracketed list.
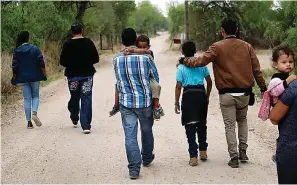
[(291, 78), (177, 108), (128, 51), (43, 71), (181, 60)]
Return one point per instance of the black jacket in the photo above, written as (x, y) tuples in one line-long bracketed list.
[(78, 57)]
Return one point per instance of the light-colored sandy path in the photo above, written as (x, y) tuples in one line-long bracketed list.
[(59, 153)]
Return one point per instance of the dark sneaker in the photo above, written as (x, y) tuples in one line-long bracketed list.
[(147, 164), (75, 124), (133, 176), (234, 163), (30, 125), (273, 158), (36, 120), (242, 156), (87, 131), (157, 113), (193, 161), (115, 109)]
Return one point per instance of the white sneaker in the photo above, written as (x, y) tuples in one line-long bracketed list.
[(87, 131), (36, 120)]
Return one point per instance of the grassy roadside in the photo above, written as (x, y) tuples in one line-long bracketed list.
[(267, 73), (10, 95)]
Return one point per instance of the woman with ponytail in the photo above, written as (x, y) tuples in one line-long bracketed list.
[(28, 69)]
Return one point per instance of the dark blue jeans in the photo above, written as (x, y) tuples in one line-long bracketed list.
[(130, 117), (81, 90), (201, 130)]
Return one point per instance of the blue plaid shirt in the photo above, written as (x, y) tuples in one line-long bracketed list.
[(132, 74)]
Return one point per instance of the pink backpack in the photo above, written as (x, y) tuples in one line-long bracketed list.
[(275, 89)]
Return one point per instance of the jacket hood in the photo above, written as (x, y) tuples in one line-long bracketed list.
[(24, 48)]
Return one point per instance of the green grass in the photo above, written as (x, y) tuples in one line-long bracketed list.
[(52, 78), (267, 73)]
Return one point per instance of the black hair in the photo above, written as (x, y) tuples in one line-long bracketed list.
[(22, 38), (230, 26), (280, 50), (143, 38), (189, 48), (129, 37), (76, 28)]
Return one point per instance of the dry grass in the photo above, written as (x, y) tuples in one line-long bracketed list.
[(175, 47), (10, 93), (6, 74), (51, 52)]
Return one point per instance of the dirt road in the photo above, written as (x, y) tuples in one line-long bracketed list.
[(58, 153)]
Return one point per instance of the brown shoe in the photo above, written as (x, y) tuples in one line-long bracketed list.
[(234, 163), (203, 155), (193, 161)]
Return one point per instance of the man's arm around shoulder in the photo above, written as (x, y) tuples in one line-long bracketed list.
[(204, 59)]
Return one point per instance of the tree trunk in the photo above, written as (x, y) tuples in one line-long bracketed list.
[(187, 19), (111, 42), (82, 6), (101, 45)]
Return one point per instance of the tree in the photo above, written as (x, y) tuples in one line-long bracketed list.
[(147, 19), (123, 10), (43, 20), (176, 13)]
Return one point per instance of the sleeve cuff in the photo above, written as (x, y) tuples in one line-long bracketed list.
[(285, 84)]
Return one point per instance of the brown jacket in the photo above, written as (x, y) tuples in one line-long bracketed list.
[(235, 65)]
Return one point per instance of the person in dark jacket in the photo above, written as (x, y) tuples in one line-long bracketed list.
[(28, 69), (78, 56)]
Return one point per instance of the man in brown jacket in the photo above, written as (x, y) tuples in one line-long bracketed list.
[(235, 66)]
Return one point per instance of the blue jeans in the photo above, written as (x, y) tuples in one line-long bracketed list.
[(31, 97), (130, 119), (81, 90)]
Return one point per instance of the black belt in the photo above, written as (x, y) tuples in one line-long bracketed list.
[(192, 88)]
